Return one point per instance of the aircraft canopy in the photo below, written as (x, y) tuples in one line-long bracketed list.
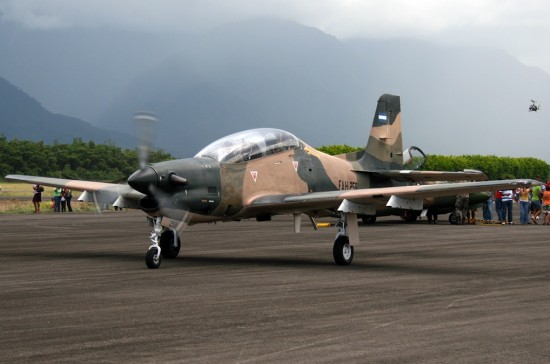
[(250, 144)]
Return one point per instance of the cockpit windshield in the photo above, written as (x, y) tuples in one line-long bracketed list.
[(250, 144)]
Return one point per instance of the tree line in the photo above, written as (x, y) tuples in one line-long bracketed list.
[(494, 167), (107, 162), (78, 160)]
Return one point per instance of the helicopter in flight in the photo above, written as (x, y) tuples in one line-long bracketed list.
[(534, 106)]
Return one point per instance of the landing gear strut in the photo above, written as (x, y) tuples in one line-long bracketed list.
[(165, 243), (153, 256), (342, 251)]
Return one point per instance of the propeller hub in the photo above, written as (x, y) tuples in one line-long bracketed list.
[(143, 179)]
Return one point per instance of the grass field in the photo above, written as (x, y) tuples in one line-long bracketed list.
[(17, 189), (16, 197)]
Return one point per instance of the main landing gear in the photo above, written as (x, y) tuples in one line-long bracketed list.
[(342, 250), (453, 218), (165, 243)]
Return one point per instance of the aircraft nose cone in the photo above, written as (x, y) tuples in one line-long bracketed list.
[(142, 180)]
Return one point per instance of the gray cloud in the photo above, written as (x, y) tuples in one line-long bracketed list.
[(521, 28)]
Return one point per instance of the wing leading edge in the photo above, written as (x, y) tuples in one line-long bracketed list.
[(118, 195), (402, 197), (429, 176)]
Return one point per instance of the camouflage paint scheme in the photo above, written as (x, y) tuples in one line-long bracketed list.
[(265, 172), (297, 180)]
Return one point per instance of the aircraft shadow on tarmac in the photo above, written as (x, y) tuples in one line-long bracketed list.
[(266, 262), (314, 264), (82, 255)]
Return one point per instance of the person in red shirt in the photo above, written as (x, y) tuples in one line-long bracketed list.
[(546, 204), (498, 206)]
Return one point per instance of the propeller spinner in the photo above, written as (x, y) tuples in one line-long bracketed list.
[(146, 178), (142, 180)]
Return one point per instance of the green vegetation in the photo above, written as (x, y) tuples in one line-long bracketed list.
[(338, 149), (79, 160), (107, 162), (494, 167)]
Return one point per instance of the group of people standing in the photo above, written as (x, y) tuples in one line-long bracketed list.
[(61, 200), (533, 202), (504, 202)]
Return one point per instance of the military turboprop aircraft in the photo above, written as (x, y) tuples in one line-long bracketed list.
[(260, 173)]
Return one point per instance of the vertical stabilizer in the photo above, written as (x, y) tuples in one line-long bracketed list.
[(384, 148)]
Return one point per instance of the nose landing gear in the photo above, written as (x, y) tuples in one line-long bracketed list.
[(165, 243), (153, 256)]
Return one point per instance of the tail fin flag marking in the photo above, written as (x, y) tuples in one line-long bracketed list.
[(384, 148)]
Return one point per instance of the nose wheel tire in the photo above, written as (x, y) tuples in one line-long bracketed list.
[(153, 258), (342, 251)]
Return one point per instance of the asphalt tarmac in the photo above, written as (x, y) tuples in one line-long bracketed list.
[(75, 288)]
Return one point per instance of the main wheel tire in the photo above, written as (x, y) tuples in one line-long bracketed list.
[(152, 258), (368, 219), (342, 251), (168, 249), (452, 218), (409, 216)]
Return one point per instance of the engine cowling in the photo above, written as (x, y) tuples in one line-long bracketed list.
[(192, 184)]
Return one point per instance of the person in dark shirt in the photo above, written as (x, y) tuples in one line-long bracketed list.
[(37, 197)]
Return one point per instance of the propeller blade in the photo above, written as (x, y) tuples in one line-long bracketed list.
[(145, 126)]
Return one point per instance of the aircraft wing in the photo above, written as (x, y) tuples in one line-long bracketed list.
[(366, 200), (429, 176), (120, 195)]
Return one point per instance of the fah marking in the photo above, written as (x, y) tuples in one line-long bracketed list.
[(347, 185)]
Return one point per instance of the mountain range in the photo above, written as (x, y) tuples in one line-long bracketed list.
[(23, 117), (269, 73)]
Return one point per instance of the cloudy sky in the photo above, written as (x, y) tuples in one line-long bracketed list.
[(520, 27)]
